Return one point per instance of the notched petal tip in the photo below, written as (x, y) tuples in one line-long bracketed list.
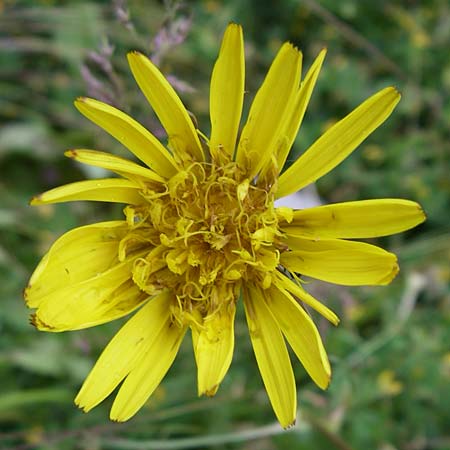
[(290, 46), (32, 320), (290, 425), (81, 103), (118, 418), (80, 405), (209, 392), (395, 92), (25, 292), (79, 100), (134, 55), (422, 214), (71, 154), (392, 274), (35, 200), (39, 324), (115, 418), (235, 27)]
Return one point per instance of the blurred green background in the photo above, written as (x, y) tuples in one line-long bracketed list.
[(390, 354)]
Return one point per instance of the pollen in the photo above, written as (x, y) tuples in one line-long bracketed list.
[(204, 231)]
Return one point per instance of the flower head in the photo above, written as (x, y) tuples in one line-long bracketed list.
[(201, 231)]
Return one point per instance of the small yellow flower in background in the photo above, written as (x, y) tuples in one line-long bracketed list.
[(201, 231), (388, 384)]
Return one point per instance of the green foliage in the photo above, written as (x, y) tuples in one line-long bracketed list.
[(390, 355)]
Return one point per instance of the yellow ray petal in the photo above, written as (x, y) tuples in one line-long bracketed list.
[(126, 348), (115, 190), (213, 349), (284, 282), (103, 299), (338, 142), (130, 133), (99, 299), (268, 110), (227, 91), (272, 356), (183, 138), (302, 335), (360, 219), (148, 372), (119, 165), (76, 256), (341, 262), (295, 117)]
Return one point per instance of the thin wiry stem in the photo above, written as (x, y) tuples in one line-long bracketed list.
[(197, 441), (353, 36)]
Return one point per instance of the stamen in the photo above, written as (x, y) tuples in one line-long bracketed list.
[(208, 229)]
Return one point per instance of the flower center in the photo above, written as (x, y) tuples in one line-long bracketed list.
[(204, 232)]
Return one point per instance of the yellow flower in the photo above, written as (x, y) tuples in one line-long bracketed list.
[(201, 232), (388, 384)]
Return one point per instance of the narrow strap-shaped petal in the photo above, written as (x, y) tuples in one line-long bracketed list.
[(103, 299), (302, 335), (295, 118), (149, 370), (338, 142), (273, 99), (119, 165), (78, 255), (130, 133), (295, 289), (341, 262), (115, 190), (122, 353), (213, 349), (227, 91), (272, 356), (183, 138), (359, 219)]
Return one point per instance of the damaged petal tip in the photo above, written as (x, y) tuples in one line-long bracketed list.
[(116, 418), (422, 213), (212, 392), (81, 406), (208, 392), (41, 326), (25, 291), (135, 53), (290, 425), (395, 91), (33, 320), (394, 272), (71, 153), (36, 200)]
